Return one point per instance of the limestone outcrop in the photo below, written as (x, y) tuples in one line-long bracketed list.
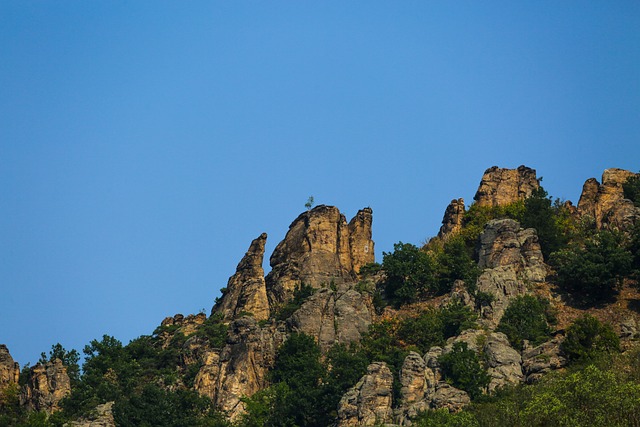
[(246, 290), (240, 369), (452, 220), (537, 361), (605, 203), (48, 384), (339, 315), (504, 363), (320, 248), (368, 403), (179, 323), (101, 417), (9, 369), (512, 259), (501, 186)]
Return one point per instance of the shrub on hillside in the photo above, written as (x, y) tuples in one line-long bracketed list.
[(527, 318), (463, 370), (587, 338)]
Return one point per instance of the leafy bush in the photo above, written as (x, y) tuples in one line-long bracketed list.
[(463, 370), (476, 217), (631, 189), (587, 338), (409, 273), (541, 215), (527, 318), (300, 295), (595, 270), (444, 418), (455, 262), (214, 330)]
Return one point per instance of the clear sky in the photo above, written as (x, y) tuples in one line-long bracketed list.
[(144, 144)]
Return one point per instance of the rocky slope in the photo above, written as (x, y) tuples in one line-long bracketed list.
[(324, 251)]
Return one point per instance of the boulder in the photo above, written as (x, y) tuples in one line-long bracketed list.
[(504, 364), (368, 403), (246, 290), (539, 360), (500, 187), (447, 396)]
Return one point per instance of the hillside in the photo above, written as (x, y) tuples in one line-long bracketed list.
[(523, 310)]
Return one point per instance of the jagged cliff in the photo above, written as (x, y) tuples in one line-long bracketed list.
[(324, 252)]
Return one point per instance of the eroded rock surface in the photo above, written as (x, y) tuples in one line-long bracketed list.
[(47, 386), (246, 289), (452, 220), (240, 369), (537, 361), (501, 186), (9, 369), (101, 417), (319, 248), (512, 260), (504, 363), (605, 202), (368, 403), (333, 316)]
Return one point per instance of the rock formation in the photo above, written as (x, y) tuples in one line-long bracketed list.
[(319, 248), (368, 403), (246, 289), (605, 202), (512, 259), (240, 369), (504, 364), (101, 417), (504, 186), (333, 316), (537, 361), (9, 369), (452, 220), (47, 385)]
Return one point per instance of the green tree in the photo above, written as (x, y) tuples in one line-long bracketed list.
[(69, 359), (595, 270), (409, 273), (444, 418), (541, 215), (631, 189), (587, 338), (527, 318), (462, 368), (456, 262)]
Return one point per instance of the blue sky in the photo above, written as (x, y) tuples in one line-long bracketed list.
[(143, 145)]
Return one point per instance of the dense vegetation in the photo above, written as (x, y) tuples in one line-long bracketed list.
[(527, 318)]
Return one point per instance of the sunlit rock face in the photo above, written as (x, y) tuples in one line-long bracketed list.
[(9, 369), (501, 186), (48, 384), (246, 290), (368, 403), (605, 203), (320, 248)]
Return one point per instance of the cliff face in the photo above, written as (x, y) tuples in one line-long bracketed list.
[(48, 384), (605, 202), (9, 369), (452, 221), (504, 186), (246, 289), (319, 248)]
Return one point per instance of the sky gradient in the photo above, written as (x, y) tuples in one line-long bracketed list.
[(143, 145)]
